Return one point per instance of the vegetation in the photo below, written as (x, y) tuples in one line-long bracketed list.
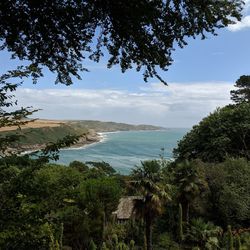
[(146, 180), (185, 204), (43, 205), (51, 195), (242, 93), (43, 135), (229, 186), (199, 201), (100, 126), (36, 134), (140, 34), (226, 132)]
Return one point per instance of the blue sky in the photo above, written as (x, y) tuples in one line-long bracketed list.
[(199, 80)]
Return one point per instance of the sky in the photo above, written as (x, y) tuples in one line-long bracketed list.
[(200, 80)]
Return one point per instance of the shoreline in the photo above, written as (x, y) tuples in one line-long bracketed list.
[(84, 142), (101, 139)]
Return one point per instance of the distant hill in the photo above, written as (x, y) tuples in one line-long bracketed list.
[(100, 126), (39, 132)]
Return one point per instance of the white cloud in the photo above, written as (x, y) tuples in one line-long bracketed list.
[(178, 105), (247, 5), (243, 24)]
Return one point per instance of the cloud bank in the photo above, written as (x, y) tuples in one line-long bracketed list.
[(177, 105), (245, 22)]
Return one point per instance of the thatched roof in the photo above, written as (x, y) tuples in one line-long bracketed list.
[(125, 209)]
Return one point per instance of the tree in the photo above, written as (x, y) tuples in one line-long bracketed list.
[(80, 166), (204, 234), (92, 245), (225, 132), (230, 241), (103, 167), (140, 33), (18, 117), (10, 116), (100, 196), (191, 183), (242, 94), (229, 185), (237, 243), (180, 224), (146, 181)]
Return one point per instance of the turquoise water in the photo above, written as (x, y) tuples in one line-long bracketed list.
[(124, 150)]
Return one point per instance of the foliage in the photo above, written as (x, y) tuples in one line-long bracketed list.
[(245, 241), (102, 167), (191, 183), (230, 188), (92, 245), (104, 247), (204, 234), (115, 244), (18, 117), (242, 93), (80, 166), (166, 241), (226, 132), (125, 232), (35, 196), (46, 206), (43, 135), (53, 194), (230, 241), (60, 34), (146, 180), (9, 149), (237, 243), (101, 126), (180, 224)]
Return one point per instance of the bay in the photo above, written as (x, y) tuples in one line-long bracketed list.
[(124, 150)]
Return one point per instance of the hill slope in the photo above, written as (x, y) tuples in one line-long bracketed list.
[(36, 134), (100, 126)]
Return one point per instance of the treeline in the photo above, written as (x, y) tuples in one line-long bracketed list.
[(185, 205), (199, 201)]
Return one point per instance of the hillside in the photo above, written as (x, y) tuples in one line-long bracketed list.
[(38, 133), (100, 126)]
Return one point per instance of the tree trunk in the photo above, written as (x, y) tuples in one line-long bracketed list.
[(185, 206), (187, 216), (148, 233)]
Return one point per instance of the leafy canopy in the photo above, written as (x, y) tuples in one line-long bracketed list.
[(9, 82), (226, 132), (136, 33), (230, 187), (242, 93)]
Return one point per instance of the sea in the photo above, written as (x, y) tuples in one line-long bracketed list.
[(126, 149)]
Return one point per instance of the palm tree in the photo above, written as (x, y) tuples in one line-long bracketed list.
[(191, 183), (204, 234), (147, 182)]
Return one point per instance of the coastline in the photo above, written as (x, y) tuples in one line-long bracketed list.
[(99, 139), (88, 140), (84, 141)]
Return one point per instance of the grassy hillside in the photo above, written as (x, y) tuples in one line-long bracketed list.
[(36, 138), (36, 134), (48, 134), (100, 126)]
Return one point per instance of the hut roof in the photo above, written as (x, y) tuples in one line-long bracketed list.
[(125, 208)]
